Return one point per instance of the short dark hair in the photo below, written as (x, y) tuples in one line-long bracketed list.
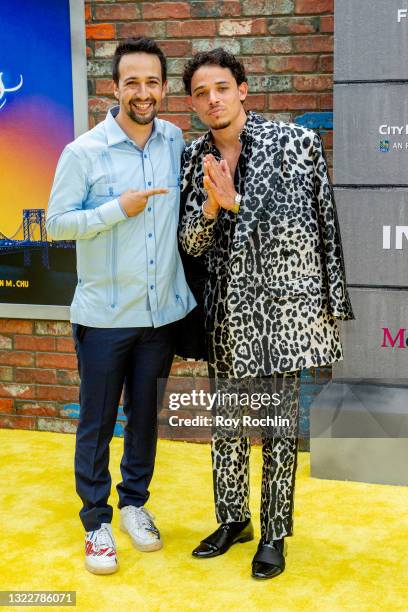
[(216, 57), (138, 45)]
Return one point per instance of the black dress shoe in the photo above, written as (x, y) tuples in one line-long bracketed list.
[(269, 560), (223, 538)]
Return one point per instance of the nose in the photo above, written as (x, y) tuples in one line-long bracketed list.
[(213, 96), (142, 91)]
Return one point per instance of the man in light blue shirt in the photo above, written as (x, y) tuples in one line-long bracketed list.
[(116, 192)]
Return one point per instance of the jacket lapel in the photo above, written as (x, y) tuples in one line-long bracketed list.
[(261, 176)]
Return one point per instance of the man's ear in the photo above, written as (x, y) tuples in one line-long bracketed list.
[(243, 91), (115, 90), (190, 103)]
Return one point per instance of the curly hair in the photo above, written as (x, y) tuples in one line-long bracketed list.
[(138, 45), (216, 57)]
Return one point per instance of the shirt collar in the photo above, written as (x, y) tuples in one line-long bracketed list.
[(114, 132), (249, 124)]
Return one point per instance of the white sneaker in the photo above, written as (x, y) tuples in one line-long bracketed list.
[(138, 523), (100, 551)]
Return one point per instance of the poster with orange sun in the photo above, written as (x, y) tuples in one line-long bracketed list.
[(37, 109)]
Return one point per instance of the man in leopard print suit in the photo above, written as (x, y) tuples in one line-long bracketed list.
[(258, 206)]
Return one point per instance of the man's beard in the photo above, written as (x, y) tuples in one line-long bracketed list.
[(221, 126), (142, 119)]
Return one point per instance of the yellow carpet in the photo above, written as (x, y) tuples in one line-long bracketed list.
[(349, 552)]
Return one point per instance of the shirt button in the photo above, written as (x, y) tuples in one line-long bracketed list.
[(145, 156), (151, 262), (149, 183), (177, 296), (150, 235), (151, 286), (149, 209)]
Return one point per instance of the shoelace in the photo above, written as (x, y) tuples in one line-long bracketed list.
[(103, 539), (143, 518)]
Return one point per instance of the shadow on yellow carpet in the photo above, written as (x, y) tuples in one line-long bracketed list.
[(349, 551)]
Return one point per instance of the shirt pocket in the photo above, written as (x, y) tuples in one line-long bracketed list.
[(173, 180), (112, 190), (100, 193), (174, 153), (173, 185)]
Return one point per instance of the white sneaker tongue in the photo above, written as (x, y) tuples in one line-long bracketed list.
[(104, 538)]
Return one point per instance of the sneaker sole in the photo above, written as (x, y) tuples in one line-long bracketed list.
[(143, 547), (103, 571)]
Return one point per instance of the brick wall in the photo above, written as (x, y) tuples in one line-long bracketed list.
[(38, 376), (286, 46)]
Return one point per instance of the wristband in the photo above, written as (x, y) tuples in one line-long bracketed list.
[(237, 203)]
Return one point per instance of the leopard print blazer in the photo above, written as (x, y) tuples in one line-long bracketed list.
[(281, 283)]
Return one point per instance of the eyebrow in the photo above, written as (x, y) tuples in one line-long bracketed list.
[(135, 78), (217, 83)]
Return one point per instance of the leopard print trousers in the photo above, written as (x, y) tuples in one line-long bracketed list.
[(230, 450)]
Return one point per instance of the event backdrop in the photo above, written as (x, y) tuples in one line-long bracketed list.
[(36, 122), (371, 183), (359, 423)]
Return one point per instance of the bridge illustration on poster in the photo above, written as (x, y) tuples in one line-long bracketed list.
[(5, 90), (33, 221)]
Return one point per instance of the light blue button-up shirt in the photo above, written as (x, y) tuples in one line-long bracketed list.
[(129, 269)]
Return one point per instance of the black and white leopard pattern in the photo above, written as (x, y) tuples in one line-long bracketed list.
[(230, 448), (276, 283), (282, 280)]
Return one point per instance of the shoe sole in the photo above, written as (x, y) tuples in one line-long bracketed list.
[(143, 547), (101, 571), (266, 577)]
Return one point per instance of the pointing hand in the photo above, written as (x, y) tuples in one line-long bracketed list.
[(134, 202)]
